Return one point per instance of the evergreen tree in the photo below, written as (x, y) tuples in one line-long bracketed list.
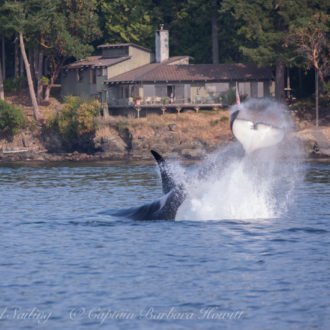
[(126, 21), (2, 93), (21, 17), (263, 28), (73, 25)]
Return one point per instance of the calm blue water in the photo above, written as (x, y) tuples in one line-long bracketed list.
[(63, 265)]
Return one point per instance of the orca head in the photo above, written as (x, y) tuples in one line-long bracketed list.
[(255, 126)]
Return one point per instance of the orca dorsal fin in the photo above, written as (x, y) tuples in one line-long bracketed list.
[(233, 116), (167, 182)]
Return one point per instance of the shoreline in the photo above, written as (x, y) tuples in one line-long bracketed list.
[(54, 159), (187, 137)]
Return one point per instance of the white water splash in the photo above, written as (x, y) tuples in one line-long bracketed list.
[(234, 185)]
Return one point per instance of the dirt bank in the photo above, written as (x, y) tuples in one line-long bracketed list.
[(186, 136)]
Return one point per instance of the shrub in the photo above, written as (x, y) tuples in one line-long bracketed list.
[(11, 118), (45, 80), (76, 118), (13, 85), (229, 97)]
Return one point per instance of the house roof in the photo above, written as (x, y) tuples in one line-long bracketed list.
[(173, 59), (193, 72), (124, 45), (95, 61)]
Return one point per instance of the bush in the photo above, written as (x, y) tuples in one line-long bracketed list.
[(229, 97), (13, 85), (76, 118), (11, 118), (45, 81)]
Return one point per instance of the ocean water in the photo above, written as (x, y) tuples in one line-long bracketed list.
[(247, 254)]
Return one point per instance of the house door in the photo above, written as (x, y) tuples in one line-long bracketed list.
[(171, 93)]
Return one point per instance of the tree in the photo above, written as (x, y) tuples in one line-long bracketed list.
[(263, 28), (72, 26), (215, 41), (21, 18), (190, 26), (2, 94), (127, 21), (309, 36)]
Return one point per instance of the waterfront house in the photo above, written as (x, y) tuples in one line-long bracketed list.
[(127, 77)]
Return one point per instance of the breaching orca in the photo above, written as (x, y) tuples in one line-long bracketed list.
[(164, 208), (256, 125)]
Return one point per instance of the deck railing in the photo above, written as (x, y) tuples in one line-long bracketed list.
[(166, 101)]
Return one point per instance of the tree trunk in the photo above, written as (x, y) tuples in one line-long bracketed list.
[(30, 55), (2, 93), (215, 42), (16, 68), (29, 77), (21, 67), (39, 75), (3, 58), (48, 88), (279, 81), (54, 74), (316, 98)]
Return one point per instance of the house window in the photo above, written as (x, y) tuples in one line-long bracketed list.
[(257, 89), (134, 91), (260, 89), (124, 92), (217, 87), (245, 88)]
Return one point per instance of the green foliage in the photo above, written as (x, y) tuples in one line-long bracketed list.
[(45, 80), (77, 118), (11, 118), (165, 100), (127, 21), (13, 85), (229, 98), (262, 26), (215, 122)]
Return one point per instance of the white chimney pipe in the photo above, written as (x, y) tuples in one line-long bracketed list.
[(162, 48)]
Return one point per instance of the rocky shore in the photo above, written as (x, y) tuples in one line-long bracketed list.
[(188, 136)]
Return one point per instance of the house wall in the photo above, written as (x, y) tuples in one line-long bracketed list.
[(138, 58), (68, 83), (115, 52), (198, 92), (181, 92), (82, 87)]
